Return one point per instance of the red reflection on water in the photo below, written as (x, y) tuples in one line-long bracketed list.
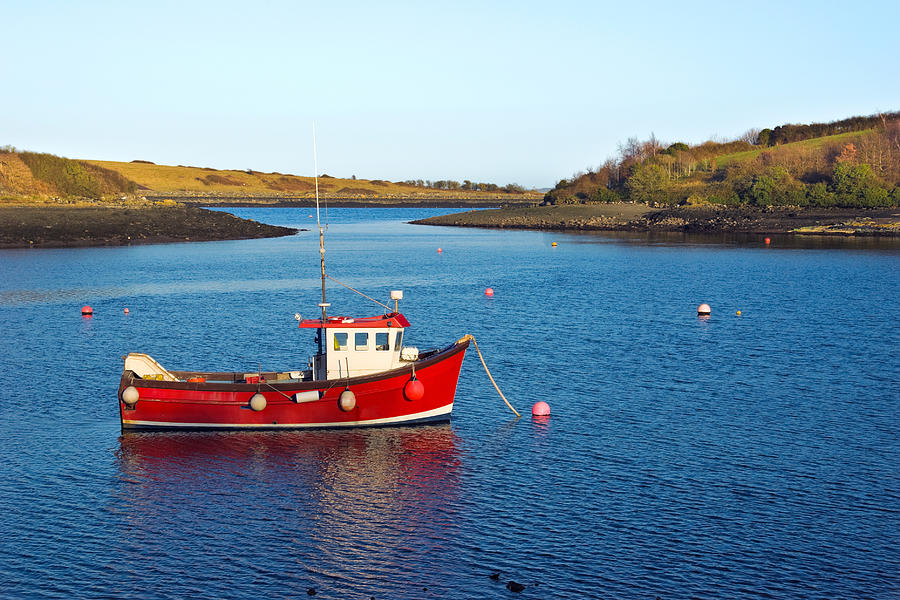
[(339, 471)]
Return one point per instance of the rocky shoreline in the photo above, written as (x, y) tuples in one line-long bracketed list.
[(684, 219), (59, 226)]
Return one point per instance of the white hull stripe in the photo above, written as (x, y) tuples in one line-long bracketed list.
[(443, 410)]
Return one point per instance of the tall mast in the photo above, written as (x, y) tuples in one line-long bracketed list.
[(323, 304)]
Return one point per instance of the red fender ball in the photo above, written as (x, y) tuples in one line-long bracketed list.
[(414, 390)]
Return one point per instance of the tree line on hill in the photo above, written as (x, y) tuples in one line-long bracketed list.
[(861, 169), (466, 185), (785, 134)]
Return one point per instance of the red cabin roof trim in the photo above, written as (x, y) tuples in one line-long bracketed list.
[(380, 322)]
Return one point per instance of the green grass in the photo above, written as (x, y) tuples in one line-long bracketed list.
[(812, 144), (74, 177)]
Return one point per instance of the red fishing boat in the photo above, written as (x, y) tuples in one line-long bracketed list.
[(361, 375)]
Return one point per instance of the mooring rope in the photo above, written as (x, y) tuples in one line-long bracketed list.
[(357, 291), (471, 338)]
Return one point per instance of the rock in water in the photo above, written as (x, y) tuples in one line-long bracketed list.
[(495, 576), (515, 586)]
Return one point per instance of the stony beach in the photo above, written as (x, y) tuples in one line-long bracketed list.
[(686, 219), (49, 225)]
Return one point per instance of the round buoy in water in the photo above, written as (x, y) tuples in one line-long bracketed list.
[(126, 310), (130, 396), (553, 244), (540, 409), (347, 401), (257, 402), (703, 309), (768, 241), (87, 310), (440, 250), (489, 292), (738, 313), (414, 390)]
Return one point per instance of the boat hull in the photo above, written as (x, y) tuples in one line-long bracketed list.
[(380, 400)]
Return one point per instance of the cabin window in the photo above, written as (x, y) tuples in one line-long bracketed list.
[(340, 341), (361, 341), (381, 341), (397, 340)]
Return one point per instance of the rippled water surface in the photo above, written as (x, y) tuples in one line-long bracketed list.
[(750, 456)]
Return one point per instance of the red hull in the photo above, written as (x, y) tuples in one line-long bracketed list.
[(379, 400)]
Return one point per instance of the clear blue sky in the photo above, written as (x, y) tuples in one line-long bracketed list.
[(504, 92)]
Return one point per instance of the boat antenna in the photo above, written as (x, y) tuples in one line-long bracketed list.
[(323, 305)]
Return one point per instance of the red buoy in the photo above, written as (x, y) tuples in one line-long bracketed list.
[(414, 390), (768, 241), (440, 250), (489, 292), (540, 409), (87, 310), (126, 310)]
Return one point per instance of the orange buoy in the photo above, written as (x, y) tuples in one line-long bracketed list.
[(703, 309), (87, 311), (768, 241), (489, 292), (126, 310), (440, 250), (540, 409)]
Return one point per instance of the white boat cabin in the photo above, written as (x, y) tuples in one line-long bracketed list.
[(354, 347)]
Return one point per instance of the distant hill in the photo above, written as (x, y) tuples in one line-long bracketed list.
[(37, 174), (850, 163), (205, 182)]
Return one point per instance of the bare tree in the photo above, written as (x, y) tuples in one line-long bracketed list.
[(750, 136)]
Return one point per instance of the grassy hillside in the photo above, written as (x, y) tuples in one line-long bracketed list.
[(37, 175), (814, 144), (206, 182), (26, 174), (853, 163)]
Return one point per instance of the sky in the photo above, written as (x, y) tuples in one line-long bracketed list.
[(501, 92)]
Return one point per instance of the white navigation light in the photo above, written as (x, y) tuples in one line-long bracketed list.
[(396, 295)]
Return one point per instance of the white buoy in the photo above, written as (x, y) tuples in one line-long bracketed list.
[(347, 401), (703, 309), (257, 402), (130, 396)]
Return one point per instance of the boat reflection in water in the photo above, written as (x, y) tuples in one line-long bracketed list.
[(371, 503)]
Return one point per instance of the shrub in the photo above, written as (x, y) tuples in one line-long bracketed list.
[(74, 177), (818, 194), (604, 194), (648, 183), (857, 186)]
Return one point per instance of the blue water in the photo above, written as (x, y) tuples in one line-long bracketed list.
[(751, 456)]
